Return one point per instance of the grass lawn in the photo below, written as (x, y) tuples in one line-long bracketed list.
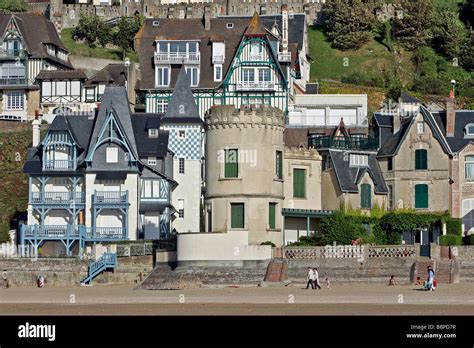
[(81, 49)]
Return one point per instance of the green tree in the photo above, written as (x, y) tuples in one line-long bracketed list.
[(13, 6), (449, 34), (349, 22), (124, 35), (341, 228), (467, 54), (92, 29), (4, 235), (413, 22)]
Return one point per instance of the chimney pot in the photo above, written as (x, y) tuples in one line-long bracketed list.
[(450, 116)]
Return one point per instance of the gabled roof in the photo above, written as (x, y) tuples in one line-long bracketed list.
[(147, 146), (348, 178), (392, 144), (383, 119), (255, 27), (110, 75), (182, 106), (407, 98), (36, 31)]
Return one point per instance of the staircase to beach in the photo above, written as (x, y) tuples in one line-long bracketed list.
[(105, 262), (277, 271)]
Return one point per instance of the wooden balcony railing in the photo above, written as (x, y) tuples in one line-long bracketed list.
[(110, 197)]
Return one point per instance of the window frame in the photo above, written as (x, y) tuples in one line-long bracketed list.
[(160, 82), (296, 191), (109, 152), (417, 198), (279, 164), (181, 165), (15, 100), (272, 221), (231, 169), (468, 161), (365, 196), (420, 162), (233, 219)]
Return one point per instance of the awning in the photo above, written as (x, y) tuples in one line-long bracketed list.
[(111, 175)]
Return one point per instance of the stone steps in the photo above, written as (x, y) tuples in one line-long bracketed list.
[(276, 271)]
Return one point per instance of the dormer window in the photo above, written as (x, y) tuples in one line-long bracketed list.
[(469, 130), (153, 133), (230, 25), (152, 161), (356, 160)]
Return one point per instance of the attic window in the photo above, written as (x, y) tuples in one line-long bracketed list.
[(156, 23), (470, 130), (153, 133), (358, 160), (230, 25)]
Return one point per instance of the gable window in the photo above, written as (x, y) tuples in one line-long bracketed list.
[(182, 134), (152, 161), (15, 100), (181, 165), (264, 75), (272, 215), (420, 127), (421, 159), (153, 133), (365, 196), (421, 196), (469, 167), (237, 217), (279, 165), (193, 75), (358, 160), (299, 183), (181, 208), (218, 72), (256, 50), (248, 74), (112, 155), (162, 76), (231, 166)]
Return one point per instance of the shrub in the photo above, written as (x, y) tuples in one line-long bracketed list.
[(454, 226), (450, 239), (471, 239), (268, 243), (341, 228)]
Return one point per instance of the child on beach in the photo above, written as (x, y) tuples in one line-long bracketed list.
[(392, 281), (328, 283)]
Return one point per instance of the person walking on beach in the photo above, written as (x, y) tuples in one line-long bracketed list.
[(430, 280), (310, 278), (316, 279)]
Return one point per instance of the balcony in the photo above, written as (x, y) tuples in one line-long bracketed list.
[(348, 143), (12, 54), (177, 58), (14, 81), (284, 57), (54, 232), (106, 233), (110, 197), (57, 198), (255, 86), (59, 165)]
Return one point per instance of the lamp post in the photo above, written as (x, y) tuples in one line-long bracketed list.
[(453, 83)]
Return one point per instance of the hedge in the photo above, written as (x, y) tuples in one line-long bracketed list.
[(450, 239), (454, 226), (471, 239)]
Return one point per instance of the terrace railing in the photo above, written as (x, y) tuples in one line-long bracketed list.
[(349, 143), (49, 197)]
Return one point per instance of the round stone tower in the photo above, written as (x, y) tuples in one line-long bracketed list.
[(244, 172)]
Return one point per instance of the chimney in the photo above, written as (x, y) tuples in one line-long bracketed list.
[(207, 18), (450, 115), (284, 29), (36, 129)]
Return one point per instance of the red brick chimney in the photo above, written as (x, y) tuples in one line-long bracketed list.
[(450, 113)]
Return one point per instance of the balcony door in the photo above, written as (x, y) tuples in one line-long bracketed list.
[(152, 226)]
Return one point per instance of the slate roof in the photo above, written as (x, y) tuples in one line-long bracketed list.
[(407, 98), (390, 147), (61, 74), (349, 177), (255, 27), (462, 118), (36, 31), (110, 75), (383, 119), (85, 129), (193, 29), (182, 100)]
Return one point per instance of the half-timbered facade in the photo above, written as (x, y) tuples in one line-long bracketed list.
[(91, 180), (28, 44), (229, 60)]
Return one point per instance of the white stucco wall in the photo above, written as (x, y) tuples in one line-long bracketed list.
[(220, 246)]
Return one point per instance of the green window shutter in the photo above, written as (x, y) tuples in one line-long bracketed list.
[(421, 196), (279, 165), (271, 215), (231, 168), (237, 215), (365, 196), (299, 183), (421, 159)]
